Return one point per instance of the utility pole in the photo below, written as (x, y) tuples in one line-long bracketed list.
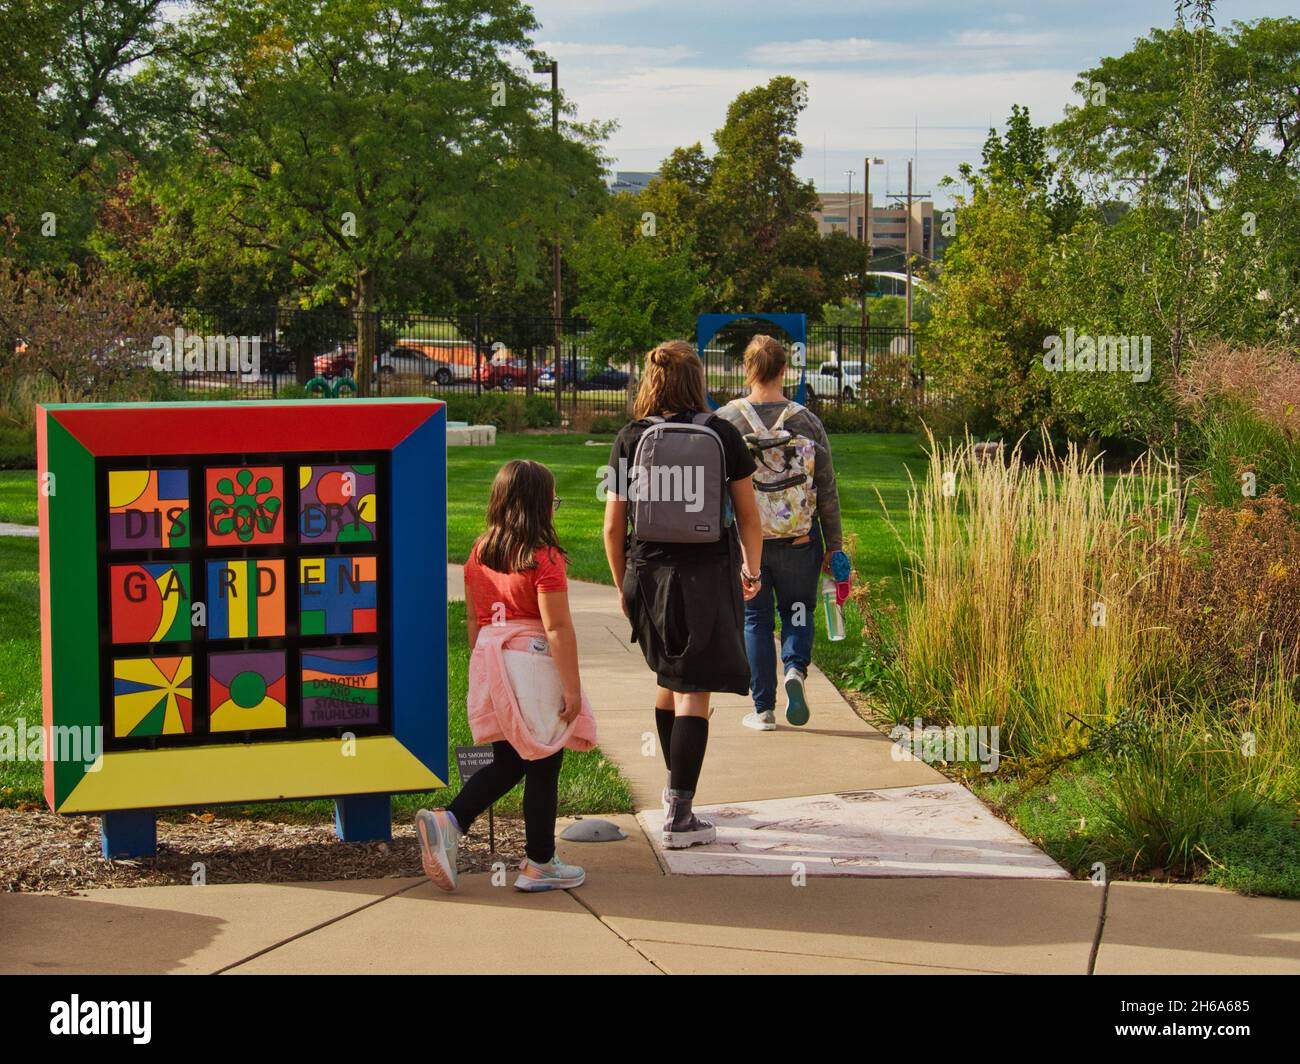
[(907, 250), (866, 240), (848, 210)]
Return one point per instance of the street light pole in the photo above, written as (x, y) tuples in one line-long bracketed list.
[(908, 249), (557, 292), (866, 240)]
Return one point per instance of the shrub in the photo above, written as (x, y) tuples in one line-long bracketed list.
[(1233, 602), (1245, 408), (606, 424), (17, 447), (540, 412), (852, 417), (509, 412)]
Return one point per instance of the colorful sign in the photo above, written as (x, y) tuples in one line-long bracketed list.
[(290, 642)]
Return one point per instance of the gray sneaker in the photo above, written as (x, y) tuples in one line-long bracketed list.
[(760, 720), (554, 875), (682, 828)]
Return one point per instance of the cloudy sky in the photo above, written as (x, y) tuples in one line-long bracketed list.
[(920, 79)]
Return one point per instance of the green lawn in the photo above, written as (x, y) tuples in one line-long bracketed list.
[(18, 496), (20, 660)]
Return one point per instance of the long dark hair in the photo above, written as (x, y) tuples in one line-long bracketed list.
[(520, 517)]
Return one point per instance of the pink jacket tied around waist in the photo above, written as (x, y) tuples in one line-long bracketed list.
[(493, 710)]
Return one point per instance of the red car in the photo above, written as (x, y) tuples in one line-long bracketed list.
[(339, 362), (506, 375)]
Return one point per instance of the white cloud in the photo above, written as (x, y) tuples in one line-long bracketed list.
[(1001, 39), (850, 112), (819, 50), (593, 54)]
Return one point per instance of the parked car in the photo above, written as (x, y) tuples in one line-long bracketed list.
[(506, 374), (412, 360), (401, 359), (606, 378), (833, 378), (276, 357), (338, 362)]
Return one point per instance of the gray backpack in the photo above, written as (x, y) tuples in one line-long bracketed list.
[(677, 484)]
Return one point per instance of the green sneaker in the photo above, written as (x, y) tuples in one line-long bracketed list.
[(554, 875)]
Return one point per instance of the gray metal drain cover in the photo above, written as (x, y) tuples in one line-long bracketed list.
[(593, 831)]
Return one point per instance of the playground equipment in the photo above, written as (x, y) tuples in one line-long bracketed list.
[(322, 388)]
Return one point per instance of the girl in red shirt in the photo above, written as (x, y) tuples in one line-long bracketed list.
[(515, 573)]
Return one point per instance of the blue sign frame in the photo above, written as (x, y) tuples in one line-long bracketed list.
[(707, 326)]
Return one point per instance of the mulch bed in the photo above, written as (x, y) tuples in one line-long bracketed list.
[(40, 851)]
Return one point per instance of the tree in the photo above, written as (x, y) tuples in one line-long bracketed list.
[(636, 290), (745, 213), (91, 337), (986, 336), (1192, 135), (344, 137), (991, 311)]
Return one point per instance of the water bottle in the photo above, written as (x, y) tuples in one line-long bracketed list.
[(831, 606)]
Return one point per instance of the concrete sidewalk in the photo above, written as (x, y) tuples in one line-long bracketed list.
[(630, 917)]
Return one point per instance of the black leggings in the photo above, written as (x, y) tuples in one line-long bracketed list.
[(541, 795)]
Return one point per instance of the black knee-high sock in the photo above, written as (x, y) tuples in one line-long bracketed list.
[(664, 722), (690, 737)]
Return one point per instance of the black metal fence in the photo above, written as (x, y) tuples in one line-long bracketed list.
[(267, 352)]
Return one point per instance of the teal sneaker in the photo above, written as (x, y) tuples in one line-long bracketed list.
[(439, 839), (554, 875), (796, 705)]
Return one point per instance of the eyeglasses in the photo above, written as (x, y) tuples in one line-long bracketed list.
[(555, 503)]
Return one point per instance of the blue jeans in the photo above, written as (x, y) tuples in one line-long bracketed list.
[(791, 578)]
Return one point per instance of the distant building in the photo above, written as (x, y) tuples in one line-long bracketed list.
[(632, 181), (842, 212)]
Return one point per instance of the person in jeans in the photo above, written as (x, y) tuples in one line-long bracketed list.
[(800, 508)]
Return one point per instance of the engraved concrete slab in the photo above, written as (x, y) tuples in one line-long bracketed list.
[(926, 830)]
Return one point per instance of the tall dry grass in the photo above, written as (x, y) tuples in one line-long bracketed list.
[(1020, 602)]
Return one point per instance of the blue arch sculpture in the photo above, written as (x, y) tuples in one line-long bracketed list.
[(795, 326)]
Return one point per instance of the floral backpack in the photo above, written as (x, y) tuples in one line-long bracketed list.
[(783, 481)]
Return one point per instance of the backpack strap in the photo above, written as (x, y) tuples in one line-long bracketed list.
[(790, 410), (654, 419), (702, 418), (751, 415)]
